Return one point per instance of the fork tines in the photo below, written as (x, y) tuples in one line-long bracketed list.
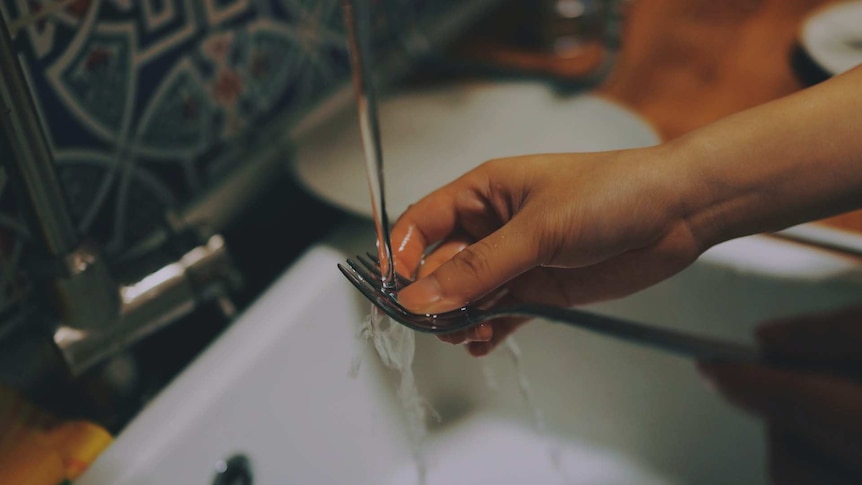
[(368, 282), (373, 264)]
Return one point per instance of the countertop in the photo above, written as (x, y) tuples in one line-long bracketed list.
[(684, 63)]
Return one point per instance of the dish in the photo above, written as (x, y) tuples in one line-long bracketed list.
[(832, 36), (432, 136)]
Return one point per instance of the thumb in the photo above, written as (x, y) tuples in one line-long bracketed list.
[(474, 272)]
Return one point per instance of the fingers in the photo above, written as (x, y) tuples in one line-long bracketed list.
[(477, 216), (459, 206), (824, 410), (475, 271), (832, 337), (442, 253), (502, 329), (422, 224), (485, 337), (616, 277), (482, 332)]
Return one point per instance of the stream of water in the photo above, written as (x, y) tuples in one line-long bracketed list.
[(395, 344), (357, 17)]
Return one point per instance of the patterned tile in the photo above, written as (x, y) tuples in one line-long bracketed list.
[(137, 97)]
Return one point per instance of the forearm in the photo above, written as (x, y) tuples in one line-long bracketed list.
[(786, 162)]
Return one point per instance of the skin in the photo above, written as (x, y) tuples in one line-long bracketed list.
[(571, 229)]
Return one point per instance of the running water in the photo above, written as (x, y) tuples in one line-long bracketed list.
[(357, 18), (514, 352), (538, 418), (395, 344)]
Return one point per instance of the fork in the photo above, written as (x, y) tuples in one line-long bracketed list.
[(364, 274)]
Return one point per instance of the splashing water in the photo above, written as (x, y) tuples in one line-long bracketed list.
[(538, 418), (394, 343), (396, 346), (514, 353)]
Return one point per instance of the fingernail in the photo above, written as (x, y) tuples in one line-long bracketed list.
[(400, 266), (482, 332), (422, 296), (453, 338)]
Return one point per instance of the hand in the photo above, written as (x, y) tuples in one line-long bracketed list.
[(813, 417), (576, 228), (554, 229)]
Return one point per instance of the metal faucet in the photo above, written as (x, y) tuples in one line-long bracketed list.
[(97, 314)]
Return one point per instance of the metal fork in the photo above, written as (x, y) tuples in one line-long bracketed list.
[(365, 275)]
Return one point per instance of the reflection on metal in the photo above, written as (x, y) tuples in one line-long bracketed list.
[(149, 286), (67, 336), (31, 159), (98, 313), (98, 316), (203, 273)]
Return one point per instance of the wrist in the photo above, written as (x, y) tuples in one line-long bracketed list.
[(786, 162), (668, 199), (698, 203)]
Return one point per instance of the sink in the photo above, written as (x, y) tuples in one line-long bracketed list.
[(289, 393), (281, 389), (433, 134)]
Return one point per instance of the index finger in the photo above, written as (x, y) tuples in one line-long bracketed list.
[(432, 219), (422, 224)]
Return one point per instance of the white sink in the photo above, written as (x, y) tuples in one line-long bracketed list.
[(433, 135), (277, 387)]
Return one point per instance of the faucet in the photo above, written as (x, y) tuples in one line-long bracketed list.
[(95, 313)]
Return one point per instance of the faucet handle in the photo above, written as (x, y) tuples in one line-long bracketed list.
[(211, 270), (204, 273)]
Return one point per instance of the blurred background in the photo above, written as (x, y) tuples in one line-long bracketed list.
[(171, 122)]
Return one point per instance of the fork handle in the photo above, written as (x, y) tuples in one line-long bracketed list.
[(669, 340)]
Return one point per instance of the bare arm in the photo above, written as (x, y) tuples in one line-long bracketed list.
[(570, 229), (786, 162)]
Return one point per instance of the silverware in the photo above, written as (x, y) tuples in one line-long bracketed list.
[(364, 274)]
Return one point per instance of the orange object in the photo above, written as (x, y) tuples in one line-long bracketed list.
[(38, 449), (683, 63), (687, 63)]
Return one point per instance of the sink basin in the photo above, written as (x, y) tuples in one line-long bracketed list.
[(280, 387), (434, 134)]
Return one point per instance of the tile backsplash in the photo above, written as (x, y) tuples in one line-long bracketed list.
[(139, 97)]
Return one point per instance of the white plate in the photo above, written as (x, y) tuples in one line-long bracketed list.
[(832, 36), (432, 136)]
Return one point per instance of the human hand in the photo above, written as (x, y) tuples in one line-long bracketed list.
[(813, 416), (563, 230)]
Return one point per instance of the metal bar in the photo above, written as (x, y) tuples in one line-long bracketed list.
[(31, 158)]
